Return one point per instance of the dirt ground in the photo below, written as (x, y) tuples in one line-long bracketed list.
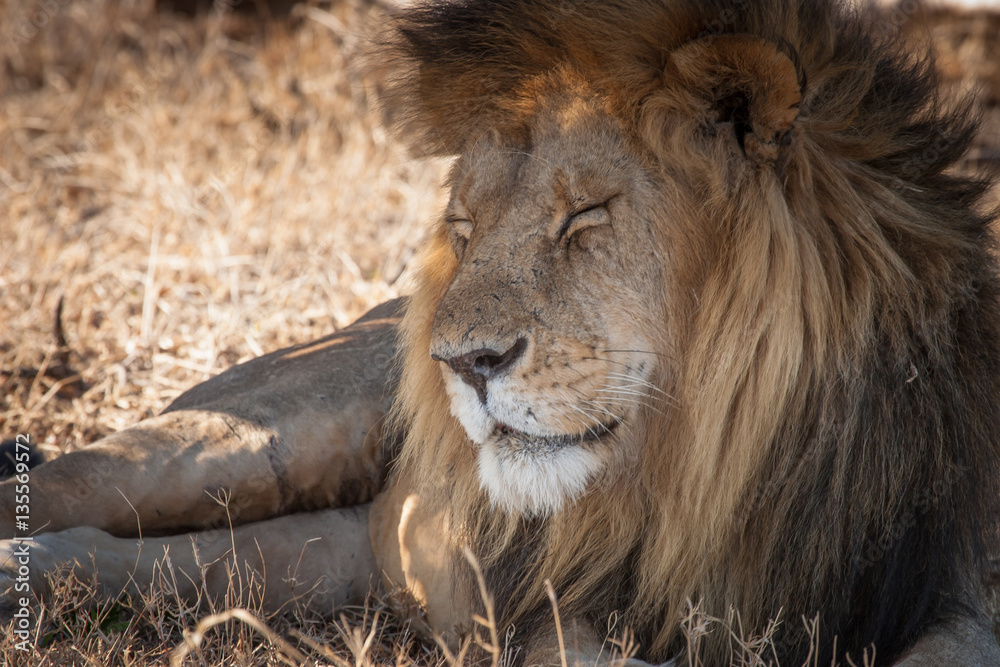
[(179, 194)]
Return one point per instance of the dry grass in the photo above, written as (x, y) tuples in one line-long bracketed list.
[(78, 627), (195, 192)]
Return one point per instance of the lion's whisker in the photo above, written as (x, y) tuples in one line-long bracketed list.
[(639, 382), (624, 391), (635, 390), (606, 360), (590, 429), (658, 354), (600, 409), (647, 405), (572, 418)]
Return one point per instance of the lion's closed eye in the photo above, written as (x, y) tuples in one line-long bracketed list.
[(594, 216), (460, 226)]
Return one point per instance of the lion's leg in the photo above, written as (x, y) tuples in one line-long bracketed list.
[(297, 429), (169, 473), (321, 558)]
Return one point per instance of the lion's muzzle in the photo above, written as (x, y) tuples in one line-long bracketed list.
[(478, 367)]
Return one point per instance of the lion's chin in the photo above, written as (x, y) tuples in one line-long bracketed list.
[(531, 474), (535, 476)]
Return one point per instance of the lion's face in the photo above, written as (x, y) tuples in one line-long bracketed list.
[(544, 333)]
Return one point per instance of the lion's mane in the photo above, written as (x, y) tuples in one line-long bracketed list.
[(831, 446)]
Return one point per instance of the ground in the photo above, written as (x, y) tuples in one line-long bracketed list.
[(179, 194)]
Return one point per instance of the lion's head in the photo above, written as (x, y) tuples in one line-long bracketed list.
[(548, 331), (704, 316)]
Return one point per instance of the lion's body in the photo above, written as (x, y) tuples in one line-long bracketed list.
[(705, 320)]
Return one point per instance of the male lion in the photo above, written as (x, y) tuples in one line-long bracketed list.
[(705, 319)]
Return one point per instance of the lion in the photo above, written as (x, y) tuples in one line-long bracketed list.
[(706, 319)]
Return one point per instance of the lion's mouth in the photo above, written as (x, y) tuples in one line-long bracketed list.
[(538, 443)]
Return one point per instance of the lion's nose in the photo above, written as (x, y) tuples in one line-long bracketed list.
[(476, 368)]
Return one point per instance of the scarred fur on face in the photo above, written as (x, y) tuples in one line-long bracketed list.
[(749, 335)]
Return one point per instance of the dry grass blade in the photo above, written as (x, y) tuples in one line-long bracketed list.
[(194, 639), (452, 659), (490, 622), (320, 649), (555, 612), (358, 643)]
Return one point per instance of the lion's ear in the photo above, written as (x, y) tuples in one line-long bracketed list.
[(740, 82)]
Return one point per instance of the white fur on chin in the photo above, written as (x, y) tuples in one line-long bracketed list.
[(536, 484)]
